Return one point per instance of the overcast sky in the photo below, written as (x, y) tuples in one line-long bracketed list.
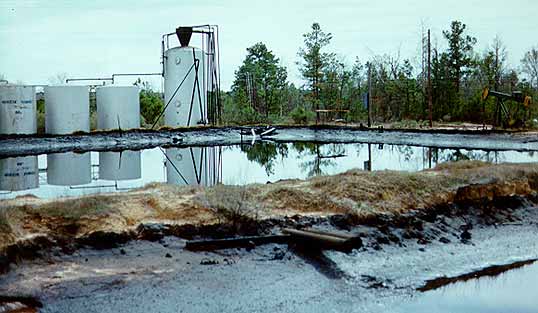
[(39, 39)]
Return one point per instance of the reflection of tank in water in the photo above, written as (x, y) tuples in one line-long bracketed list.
[(19, 173), (123, 165), (69, 169), (193, 166)]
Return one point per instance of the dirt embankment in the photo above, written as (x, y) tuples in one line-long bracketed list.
[(356, 194)]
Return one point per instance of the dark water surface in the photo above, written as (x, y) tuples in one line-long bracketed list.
[(73, 174), (514, 291)]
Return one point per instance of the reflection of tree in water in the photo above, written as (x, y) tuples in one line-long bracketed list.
[(451, 155), (265, 154), (406, 151), (321, 159)]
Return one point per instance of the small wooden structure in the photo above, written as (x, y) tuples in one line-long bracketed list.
[(334, 114)]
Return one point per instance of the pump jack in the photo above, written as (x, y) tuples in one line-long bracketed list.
[(502, 114)]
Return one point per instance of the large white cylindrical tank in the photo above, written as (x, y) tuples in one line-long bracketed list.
[(69, 169), (18, 109), (67, 109), (118, 107), (123, 165), (178, 62), (19, 173)]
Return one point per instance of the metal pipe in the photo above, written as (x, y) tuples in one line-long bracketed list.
[(324, 240), (228, 243), (88, 79), (327, 240), (103, 186), (92, 187), (135, 74), (340, 235)]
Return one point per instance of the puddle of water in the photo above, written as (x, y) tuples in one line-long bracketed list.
[(512, 291), (72, 174)]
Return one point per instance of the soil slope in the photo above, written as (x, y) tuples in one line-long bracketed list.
[(357, 194)]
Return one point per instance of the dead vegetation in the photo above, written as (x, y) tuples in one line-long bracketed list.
[(6, 232), (231, 204), (357, 193)]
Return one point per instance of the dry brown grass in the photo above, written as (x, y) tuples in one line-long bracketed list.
[(75, 209), (299, 200), (385, 190), (6, 231), (357, 192), (460, 165), (231, 203)]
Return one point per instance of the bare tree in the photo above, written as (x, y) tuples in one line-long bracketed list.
[(394, 64), (500, 55), (58, 78), (530, 65)]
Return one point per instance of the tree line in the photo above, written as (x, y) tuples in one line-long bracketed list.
[(334, 89)]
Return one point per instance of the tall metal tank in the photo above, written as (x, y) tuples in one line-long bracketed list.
[(123, 165), (180, 66), (192, 166), (18, 113), (20, 173), (69, 169), (67, 109), (118, 107)]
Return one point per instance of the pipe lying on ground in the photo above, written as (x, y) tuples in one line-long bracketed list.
[(312, 239), (323, 240), (339, 235), (228, 243)]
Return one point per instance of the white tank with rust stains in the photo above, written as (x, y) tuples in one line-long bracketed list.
[(118, 107), (18, 113), (123, 165), (179, 67), (69, 169), (67, 109), (20, 173)]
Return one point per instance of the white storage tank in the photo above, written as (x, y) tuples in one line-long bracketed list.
[(69, 169), (178, 62), (67, 109), (118, 107), (123, 165), (20, 173), (18, 113)]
